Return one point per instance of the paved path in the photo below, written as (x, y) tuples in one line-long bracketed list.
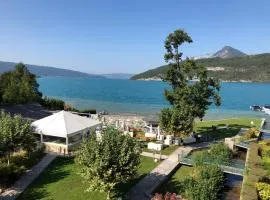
[(157, 155), (146, 186), (20, 185)]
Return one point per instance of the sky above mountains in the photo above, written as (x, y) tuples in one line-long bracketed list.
[(126, 36)]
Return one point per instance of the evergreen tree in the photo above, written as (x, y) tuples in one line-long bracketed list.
[(189, 99)]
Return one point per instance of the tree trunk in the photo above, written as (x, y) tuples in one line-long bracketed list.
[(8, 158)]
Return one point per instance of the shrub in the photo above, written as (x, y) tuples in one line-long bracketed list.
[(263, 190), (253, 173), (9, 173), (206, 183), (252, 133), (265, 149), (52, 103), (19, 162), (220, 153), (91, 111)]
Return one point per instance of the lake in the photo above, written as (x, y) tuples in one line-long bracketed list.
[(146, 97)]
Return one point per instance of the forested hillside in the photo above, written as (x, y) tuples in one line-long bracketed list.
[(47, 71), (255, 68)]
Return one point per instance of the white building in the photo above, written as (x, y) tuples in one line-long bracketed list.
[(60, 132)]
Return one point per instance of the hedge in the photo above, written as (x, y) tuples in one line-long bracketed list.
[(254, 172)]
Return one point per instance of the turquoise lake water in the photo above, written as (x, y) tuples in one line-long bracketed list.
[(146, 97)]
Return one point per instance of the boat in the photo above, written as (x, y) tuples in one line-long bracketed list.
[(266, 109), (256, 108)]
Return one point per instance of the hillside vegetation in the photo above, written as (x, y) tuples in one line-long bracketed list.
[(255, 68), (42, 71)]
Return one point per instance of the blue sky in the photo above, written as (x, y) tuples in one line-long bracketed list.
[(126, 36)]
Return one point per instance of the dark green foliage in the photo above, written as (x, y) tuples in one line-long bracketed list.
[(16, 133), (9, 173), (108, 160), (221, 153), (19, 86), (188, 100), (205, 184), (52, 103), (91, 111), (218, 154), (252, 68), (19, 163)]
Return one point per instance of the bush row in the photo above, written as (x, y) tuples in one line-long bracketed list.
[(58, 104), (254, 173), (52, 104)]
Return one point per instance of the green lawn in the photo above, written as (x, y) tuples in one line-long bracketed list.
[(61, 181), (173, 185), (234, 125)]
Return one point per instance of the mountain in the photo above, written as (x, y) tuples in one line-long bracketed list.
[(225, 52), (228, 52), (255, 68), (118, 75), (47, 71)]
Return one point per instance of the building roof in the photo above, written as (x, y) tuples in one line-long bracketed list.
[(63, 124)]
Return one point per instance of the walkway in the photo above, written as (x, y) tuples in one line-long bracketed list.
[(19, 186), (156, 155), (146, 186)]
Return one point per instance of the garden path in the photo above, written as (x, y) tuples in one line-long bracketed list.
[(146, 186)]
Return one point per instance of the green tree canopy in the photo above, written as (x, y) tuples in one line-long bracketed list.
[(108, 160), (189, 99), (16, 133), (205, 184), (19, 86)]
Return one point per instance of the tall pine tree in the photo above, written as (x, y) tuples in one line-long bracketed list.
[(188, 99)]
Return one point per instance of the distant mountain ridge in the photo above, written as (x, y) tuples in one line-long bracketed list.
[(225, 52), (249, 68), (42, 71), (118, 75), (229, 52)]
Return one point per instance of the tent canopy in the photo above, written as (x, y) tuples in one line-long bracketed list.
[(63, 124)]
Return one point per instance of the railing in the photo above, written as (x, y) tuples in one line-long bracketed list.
[(232, 168), (242, 144), (245, 143)]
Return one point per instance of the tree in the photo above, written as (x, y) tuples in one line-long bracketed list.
[(16, 133), (205, 184), (19, 86), (188, 99), (108, 160)]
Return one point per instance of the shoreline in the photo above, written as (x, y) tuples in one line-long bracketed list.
[(222, 81)]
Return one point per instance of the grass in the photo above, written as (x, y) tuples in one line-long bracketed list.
[(234, 125), (167, 150), (173, 185), (61, 181)]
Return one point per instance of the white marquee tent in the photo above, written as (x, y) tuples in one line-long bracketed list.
[(64, 124)]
